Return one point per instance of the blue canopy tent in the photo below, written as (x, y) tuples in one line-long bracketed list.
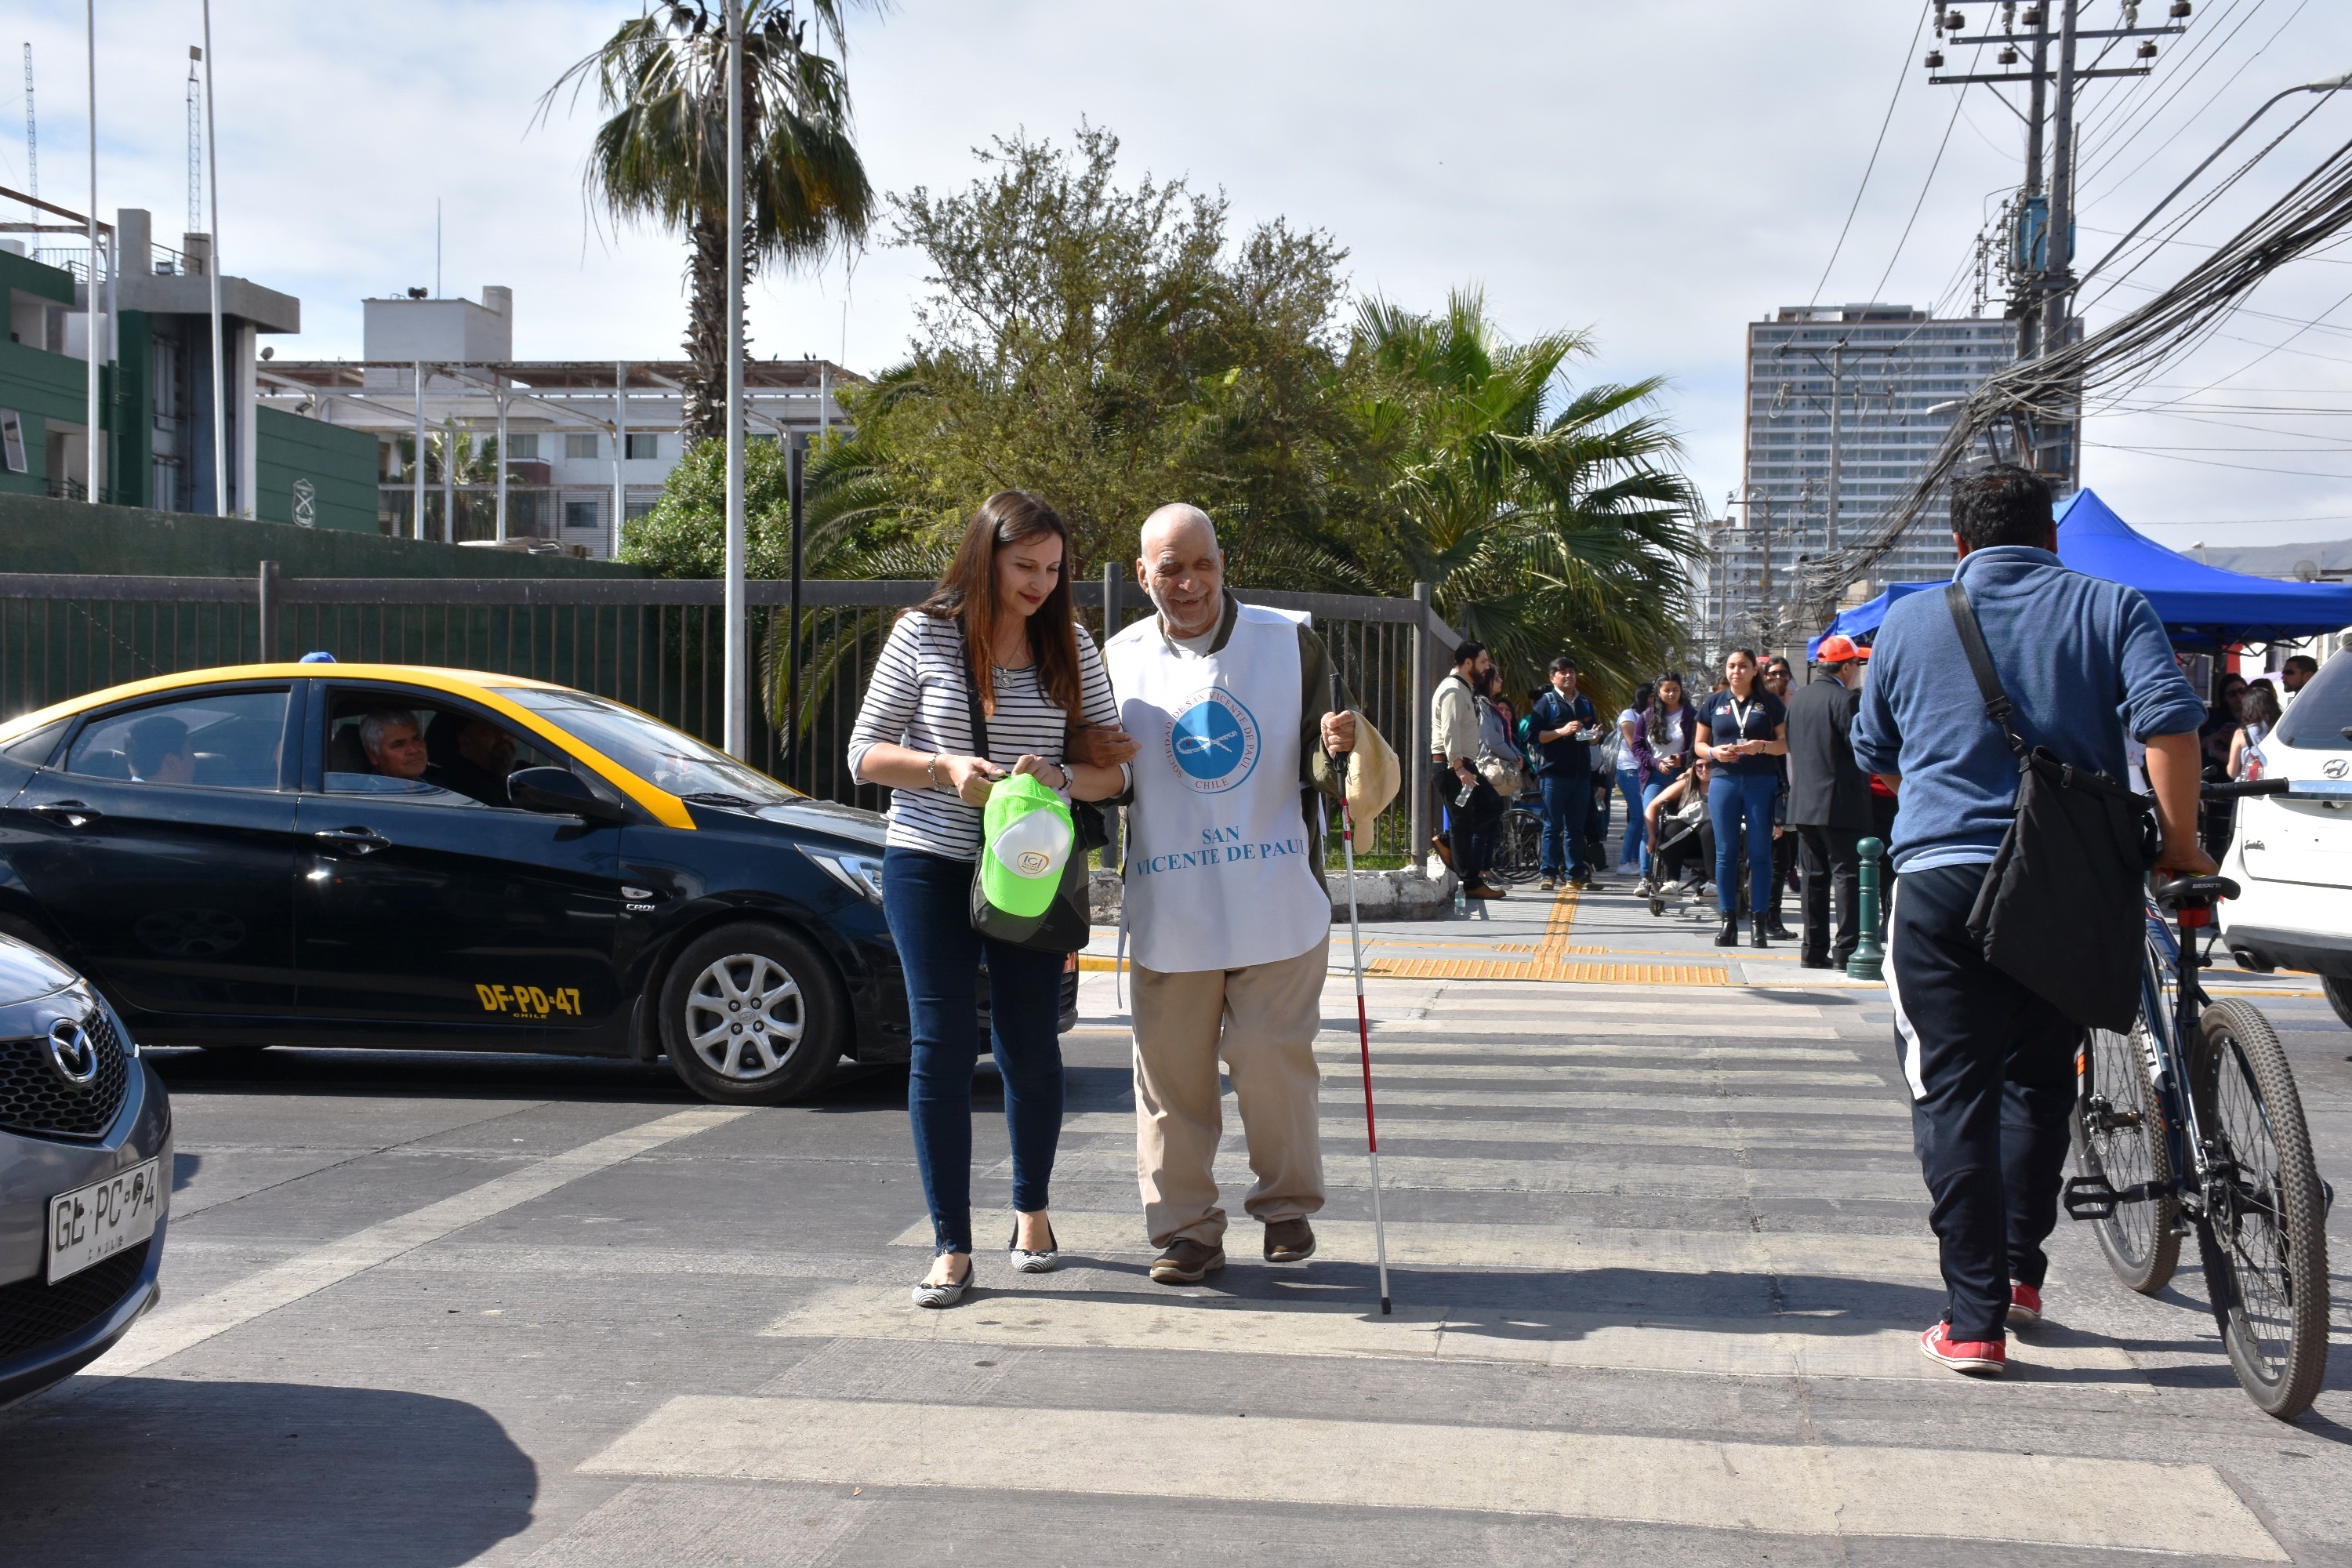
[(2199, 604)]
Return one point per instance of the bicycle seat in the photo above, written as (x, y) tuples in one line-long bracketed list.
[(2195, 890)]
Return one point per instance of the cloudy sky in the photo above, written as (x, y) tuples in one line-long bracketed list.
[(1657, 173)]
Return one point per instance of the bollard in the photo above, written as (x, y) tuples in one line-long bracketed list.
[(1868, 956)]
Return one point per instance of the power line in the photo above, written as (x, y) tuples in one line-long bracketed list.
[(1901, 77)]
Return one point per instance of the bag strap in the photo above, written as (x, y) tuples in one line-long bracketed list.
[(972, 696), (1996, 701)]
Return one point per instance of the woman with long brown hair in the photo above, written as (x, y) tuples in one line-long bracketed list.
[(998, 629)]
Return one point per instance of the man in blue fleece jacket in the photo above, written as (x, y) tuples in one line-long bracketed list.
[(1990, 1066)]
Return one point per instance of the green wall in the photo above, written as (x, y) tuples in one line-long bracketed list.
[(338, 464), (39, 534)]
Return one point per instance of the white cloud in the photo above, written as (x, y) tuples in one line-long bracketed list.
[(1659, 172)]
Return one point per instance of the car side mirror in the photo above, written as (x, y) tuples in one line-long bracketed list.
[(560, 792)]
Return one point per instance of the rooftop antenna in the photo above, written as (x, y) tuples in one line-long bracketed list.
[(195, 143), (32, 142)]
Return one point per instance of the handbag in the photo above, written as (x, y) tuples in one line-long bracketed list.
[(2063, 907), (1065, 926)]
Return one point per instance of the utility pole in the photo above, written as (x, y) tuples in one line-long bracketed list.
[(2041, 247), (1836, 366)]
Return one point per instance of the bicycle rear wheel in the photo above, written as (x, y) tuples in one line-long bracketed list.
[(2119, 1133), (1518, 845), (2263, 1241)]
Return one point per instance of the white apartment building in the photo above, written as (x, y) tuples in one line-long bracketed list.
[(583, 443), (1892, 375)]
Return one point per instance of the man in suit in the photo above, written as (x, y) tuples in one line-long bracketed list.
[(1828, 800)]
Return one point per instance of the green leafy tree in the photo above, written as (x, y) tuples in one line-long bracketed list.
[(1106, 347), (1547, 520), (661, 156)]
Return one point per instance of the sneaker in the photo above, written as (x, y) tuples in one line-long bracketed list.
[(2024, 1303), (1185, 1261), (1978, 1358), (1289, 1241), (1550, 884)]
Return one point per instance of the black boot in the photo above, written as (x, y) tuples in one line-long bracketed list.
[(1758, 934), (1729, 935)]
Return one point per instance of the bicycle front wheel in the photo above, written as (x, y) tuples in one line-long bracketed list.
[(1518, 845), (2119, 1133), (2263, 1241)]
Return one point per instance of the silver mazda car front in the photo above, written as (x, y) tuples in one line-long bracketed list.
[(85, 1173)]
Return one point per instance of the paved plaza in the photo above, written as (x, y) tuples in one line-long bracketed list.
[(1658, 1251)]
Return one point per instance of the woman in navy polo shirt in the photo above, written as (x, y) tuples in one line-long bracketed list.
[(1743, 730)]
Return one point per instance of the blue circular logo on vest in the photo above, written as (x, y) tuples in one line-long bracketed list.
[(1213, 741)]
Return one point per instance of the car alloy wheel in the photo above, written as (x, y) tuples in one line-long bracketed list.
[(745, 1015), (751, 1015)]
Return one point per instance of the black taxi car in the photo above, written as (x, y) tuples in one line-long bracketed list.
[(352, 855)]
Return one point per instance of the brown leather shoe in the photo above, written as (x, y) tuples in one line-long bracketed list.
[(1484, 891), (1185, 1261), (1289, 1241)]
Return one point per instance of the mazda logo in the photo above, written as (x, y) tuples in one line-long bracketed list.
[(2337, 767), (72, 1055)]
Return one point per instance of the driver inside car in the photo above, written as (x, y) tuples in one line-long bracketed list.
[(476, 763)]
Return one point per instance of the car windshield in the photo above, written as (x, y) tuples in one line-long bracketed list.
[(2317, 718), (664, 758)]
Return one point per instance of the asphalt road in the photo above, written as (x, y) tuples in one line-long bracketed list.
[(1658, 1253)]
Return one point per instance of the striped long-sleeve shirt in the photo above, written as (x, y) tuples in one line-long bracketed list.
[(917, 699)]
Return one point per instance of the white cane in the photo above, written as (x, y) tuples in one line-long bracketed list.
[(1363, 1025)]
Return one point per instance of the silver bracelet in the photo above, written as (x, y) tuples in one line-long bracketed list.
[(932, 770)]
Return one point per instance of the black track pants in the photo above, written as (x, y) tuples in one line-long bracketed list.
[(1990, 1068)]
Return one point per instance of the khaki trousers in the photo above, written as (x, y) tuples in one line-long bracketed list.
[(1261, 1021)]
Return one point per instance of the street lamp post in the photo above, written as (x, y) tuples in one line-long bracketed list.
[(737, 720)]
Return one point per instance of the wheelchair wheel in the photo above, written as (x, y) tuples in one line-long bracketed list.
[(1519, 847)]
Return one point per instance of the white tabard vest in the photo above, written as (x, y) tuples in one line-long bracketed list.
[(1219, 873)]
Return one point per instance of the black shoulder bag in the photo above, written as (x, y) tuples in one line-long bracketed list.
[(2061, 910), (1065, 926)]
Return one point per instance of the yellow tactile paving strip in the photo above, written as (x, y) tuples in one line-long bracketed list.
[(1550, 962)]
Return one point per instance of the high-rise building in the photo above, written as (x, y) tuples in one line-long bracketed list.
[(1891, 374)]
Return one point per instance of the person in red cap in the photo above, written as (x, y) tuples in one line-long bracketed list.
[(1829, 799)]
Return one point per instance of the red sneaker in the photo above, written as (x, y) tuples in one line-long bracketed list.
[(1986, 1358), (2024, 1303)]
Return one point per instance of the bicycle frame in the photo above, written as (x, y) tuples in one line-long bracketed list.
[(2174, 952)]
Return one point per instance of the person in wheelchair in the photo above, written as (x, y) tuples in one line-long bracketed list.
[(1681, 838)]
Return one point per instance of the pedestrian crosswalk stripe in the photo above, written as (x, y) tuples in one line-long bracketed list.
[(1468, 1030), (1341, 1088), (1789, 1345), (1872, 1490), (1454, 1048), (1696, 1069), (1478, 1001), (1904, 1259), (1112, 1128), (1455, 1174)]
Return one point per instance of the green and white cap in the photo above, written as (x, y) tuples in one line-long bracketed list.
[(1026, 835)]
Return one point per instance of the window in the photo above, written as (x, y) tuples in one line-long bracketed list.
[(664, 758), (647, 446), (228, 740), (525, 449), (2316, 720), (419, 747), (34, 748), (580, 446), (582, 516)]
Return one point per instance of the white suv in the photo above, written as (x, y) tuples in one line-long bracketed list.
[(2291, 854)]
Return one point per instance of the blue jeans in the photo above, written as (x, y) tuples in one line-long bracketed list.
[(927, 899), (1658, 785), (1733, 798), (1635, 850), (1567, 799)]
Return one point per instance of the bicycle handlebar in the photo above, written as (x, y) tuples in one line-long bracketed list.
[(2244, 787)]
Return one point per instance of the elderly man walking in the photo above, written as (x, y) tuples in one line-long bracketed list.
[(1230, 708), (1828, 800)]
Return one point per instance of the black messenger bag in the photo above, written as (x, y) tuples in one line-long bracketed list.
[(2062, 910)]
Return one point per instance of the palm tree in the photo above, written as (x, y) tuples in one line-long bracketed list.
[(662, 155), (1543, 525)]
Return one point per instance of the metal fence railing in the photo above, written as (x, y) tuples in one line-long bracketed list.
[(657, 644)]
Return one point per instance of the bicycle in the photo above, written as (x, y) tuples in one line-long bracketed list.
[(2196, 1112)]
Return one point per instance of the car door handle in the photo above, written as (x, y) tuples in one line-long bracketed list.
[(72, 813), (355, 840)]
